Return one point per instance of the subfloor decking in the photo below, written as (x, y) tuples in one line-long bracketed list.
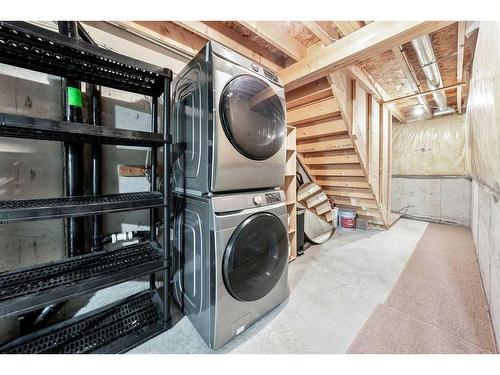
[(438, 303)]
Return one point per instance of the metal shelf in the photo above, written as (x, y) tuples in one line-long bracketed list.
[(115, 328), (53, 208), (32, 47), (35, 287), (125, 324), (18, 126)]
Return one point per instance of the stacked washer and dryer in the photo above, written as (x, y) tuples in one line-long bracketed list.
[(230, 228)]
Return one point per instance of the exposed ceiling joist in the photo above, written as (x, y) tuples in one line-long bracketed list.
[(410, 77), (171, 35), (460, 62), (374, 38), (405, 68), (149, 46), (444, 88), (277, 37), (319, 32), (373, 87), (348, 27), (211, 33)]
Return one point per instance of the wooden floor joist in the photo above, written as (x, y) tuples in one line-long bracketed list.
[(234, 41), (317, 30), (275, 36), (372, 39)]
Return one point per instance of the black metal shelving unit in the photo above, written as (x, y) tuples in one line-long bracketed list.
[(55, 208), (18, 126), (125, 324), (112, 329)]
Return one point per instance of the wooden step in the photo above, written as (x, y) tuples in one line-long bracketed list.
[(321, 129), (323, 208), (356, 202), (337, 170), (350, 182), (323, 144), (307, 192), (331, 157), (316, 90), (328, 216), (349, 192), (316, 199), (312, 112)]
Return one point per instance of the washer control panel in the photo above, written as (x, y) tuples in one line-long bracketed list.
[(257, 199), (273, 198)]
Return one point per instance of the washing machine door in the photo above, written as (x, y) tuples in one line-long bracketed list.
[(253, 117), (255, 257)]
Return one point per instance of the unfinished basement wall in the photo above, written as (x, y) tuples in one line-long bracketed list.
[(34, 169), (483, 130), (430, 180)]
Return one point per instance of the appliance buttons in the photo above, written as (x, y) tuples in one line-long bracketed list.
[(255, 67), (257, 199)]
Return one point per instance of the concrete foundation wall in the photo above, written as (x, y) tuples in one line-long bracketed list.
[(485, 225), (430, 198)]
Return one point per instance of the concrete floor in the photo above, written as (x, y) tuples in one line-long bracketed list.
[(334, 288)]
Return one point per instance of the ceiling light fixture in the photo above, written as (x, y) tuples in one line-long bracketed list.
[(418, 110)]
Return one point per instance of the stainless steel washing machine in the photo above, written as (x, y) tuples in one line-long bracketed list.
[(229, 112), (230, 260)]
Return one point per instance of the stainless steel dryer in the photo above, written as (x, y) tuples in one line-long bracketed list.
[(230, 260), (230, 114)]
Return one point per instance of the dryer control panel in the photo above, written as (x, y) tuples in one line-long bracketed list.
[(242, 201), (273, 198)]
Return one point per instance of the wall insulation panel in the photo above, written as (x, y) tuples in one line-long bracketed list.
[(483, 108), (434, 147)]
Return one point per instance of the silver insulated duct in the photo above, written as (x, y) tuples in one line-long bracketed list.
[(427, 59)]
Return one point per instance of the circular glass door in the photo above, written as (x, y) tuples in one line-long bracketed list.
[(253, 117), (255, 257)]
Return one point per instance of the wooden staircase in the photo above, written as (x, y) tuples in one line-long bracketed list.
[(331, 152)]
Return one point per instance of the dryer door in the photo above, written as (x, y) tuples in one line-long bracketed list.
[(253, 117), (255, 257)]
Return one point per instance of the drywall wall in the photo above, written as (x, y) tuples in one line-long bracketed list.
[(34, 169), (485, 226), (483, 130), (436, 199)]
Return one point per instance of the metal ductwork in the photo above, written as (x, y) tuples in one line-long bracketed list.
[(427, 59)]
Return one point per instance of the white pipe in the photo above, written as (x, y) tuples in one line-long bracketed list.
[(427, 59)]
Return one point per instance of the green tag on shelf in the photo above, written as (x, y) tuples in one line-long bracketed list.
[(74, 97)]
